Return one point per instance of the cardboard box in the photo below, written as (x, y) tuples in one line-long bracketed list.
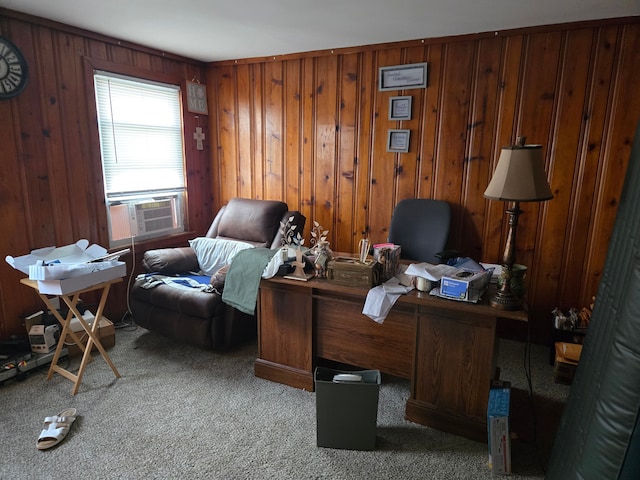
[(113, 270), (61, 270), (106, 333), (465, 286), (566, 362), (498, 428)]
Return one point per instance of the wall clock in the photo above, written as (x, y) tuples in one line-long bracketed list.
[(13, 70)]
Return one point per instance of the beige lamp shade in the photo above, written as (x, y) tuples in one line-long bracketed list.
[(520, 176)]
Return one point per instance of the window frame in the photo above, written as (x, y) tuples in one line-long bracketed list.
[(92, 65)]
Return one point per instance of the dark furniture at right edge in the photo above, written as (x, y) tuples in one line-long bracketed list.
[(599, 434), (445, 347)]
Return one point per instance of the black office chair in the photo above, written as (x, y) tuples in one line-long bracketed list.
[(421, 227)]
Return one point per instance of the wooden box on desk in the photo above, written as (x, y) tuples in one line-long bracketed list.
[(352, 273), (106, 333)]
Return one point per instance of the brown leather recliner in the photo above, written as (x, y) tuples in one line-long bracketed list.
[(200, 317)]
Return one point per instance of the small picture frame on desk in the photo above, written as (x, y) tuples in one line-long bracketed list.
[(400, 108), (398, 140)]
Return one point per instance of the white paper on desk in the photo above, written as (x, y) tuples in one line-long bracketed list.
[(430, 271), (396, 289), (380, 299)]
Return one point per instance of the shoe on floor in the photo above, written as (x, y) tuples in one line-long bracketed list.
[(56, 428)]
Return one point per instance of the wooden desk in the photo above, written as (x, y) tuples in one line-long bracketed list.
[(445, 347), (71, 300)]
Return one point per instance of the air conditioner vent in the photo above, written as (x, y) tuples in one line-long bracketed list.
[(154, 216), (144, 218)]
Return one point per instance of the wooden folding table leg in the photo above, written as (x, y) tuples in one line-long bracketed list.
[(92, 339), (66, 330)]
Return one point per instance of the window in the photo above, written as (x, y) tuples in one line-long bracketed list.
[(140, 127)]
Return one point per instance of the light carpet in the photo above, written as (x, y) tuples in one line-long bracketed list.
[(182, 412)]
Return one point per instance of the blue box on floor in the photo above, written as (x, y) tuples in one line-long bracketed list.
[(498, 427), (346, 411)]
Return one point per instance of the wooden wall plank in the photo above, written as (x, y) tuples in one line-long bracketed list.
[(292, 138), (227, 135), (324, 161), (52, 137), (407, 167), (274, 150), (258, 131), (537, 101), (90, 214), (365, 107), (198, 172), (430, 121), (624, 106), (482, 125), (581, 233), (34, 171), (346, 164), (571, 94), (307, 204), (383, 165), (245, 138), (455, 111)]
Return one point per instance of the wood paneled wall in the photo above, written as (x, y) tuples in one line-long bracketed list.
[(311, 129), (51, 188)]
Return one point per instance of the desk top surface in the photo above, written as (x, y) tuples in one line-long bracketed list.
[(414, 297)]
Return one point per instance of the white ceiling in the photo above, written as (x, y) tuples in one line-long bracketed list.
[(213, 30)]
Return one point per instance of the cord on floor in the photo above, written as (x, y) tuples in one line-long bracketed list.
[(534, 414), (126, 322)]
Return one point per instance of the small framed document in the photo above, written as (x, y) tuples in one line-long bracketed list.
[(400, 108), (197, 98), (398, 141), (403, 77)]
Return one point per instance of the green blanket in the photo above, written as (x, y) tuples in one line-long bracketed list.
[(243, 278)]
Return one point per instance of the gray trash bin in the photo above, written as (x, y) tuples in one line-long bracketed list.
[(347, 408)]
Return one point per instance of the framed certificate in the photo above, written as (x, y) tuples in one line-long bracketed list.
[(398, 141), (403, 77), (400, 108)]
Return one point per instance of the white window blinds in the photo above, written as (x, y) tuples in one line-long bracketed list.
[(140, 126)]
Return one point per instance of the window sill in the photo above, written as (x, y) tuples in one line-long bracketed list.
[(170, 241)]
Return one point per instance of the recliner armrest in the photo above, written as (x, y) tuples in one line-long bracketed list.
[(170, 261)]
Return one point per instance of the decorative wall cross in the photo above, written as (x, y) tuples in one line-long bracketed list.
[(198, 136)]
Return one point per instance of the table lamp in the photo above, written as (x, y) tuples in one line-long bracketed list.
[(519, 177)]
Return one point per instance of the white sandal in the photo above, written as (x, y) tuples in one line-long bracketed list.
[(56, 429)]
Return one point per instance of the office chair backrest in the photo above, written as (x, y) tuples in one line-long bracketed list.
[(421, 227)]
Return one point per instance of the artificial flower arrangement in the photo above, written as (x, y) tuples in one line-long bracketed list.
[(321, 251)]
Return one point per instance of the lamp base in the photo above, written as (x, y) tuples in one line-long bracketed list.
[(505, 301)]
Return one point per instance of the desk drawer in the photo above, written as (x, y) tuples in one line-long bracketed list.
[(344, 334)]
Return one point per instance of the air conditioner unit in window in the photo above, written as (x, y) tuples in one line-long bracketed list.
[(144, 218), (153, 216)]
